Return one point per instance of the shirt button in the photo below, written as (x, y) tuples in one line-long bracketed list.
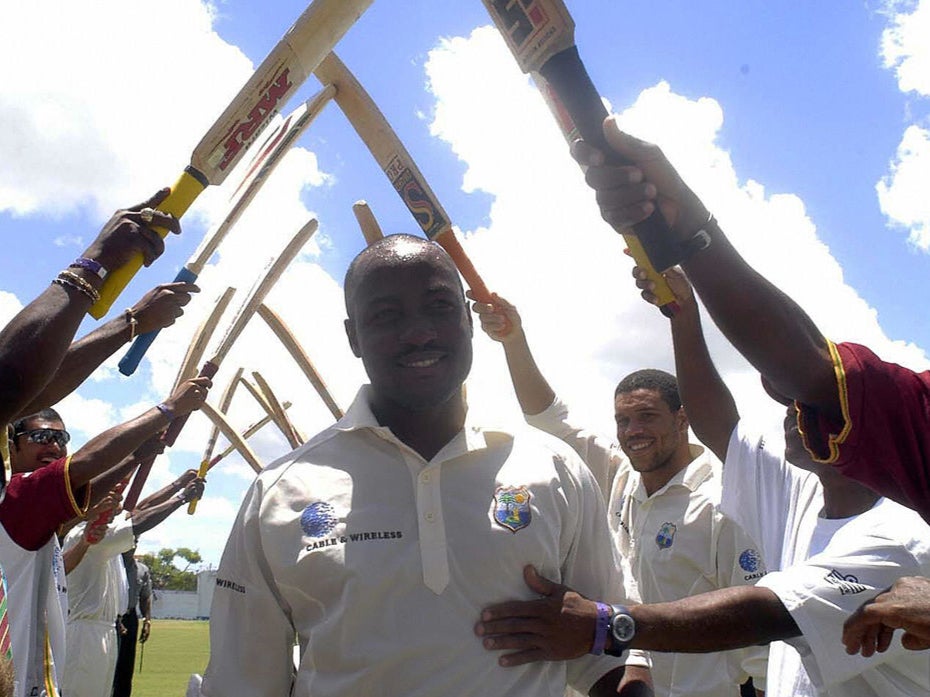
[(425, 477), (430, 517)]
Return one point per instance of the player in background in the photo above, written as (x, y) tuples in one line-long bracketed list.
[(868, 418), (663, 501)]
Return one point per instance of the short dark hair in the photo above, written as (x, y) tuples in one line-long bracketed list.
[(664, 383), (18, 427), (385, 248)]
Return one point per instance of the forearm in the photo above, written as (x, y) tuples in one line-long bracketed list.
[(764, 324), (730, 618), (105, 483), (708, 402), (160, 496), (33, 344), (82, 358), (145, 605), (532, 389), (109, 449), (73, 556), (145, 520)]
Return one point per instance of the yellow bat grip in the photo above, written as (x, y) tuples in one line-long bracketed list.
[(184, 192), (666, 299), (201, 473)]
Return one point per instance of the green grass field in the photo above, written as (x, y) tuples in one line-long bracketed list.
[(175, 649)]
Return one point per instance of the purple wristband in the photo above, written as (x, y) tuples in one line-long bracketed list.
[(600, 629), (91, 265)]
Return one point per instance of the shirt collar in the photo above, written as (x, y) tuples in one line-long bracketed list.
[(360, 417), (691, 477)]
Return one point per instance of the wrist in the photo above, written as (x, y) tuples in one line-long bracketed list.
[(167, 410), (601, 629)]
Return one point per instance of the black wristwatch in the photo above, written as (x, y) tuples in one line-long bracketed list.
[(622, 628)]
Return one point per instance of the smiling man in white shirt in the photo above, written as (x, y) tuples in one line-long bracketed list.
[(378, 541)]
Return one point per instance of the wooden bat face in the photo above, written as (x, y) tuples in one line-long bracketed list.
[(314, 33), (424, 207), (534, 29)]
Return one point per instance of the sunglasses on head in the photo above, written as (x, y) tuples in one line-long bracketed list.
[(44, 436)]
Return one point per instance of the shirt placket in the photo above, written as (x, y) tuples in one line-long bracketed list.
[(431, 526)]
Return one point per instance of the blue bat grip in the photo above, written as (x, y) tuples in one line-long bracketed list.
[(129, 363)]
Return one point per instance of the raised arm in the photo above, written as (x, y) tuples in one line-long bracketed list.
[(167, 491), (157, 309), (763, 323), (707, 400), (109, 449), (147, 518), (502, 322), (34, 342)]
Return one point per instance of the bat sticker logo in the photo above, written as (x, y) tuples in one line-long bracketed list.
[(523, 19), (418, 203), (242, 133)]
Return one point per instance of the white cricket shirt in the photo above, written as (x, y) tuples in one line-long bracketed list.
[(97, 587), (676, 543), (381, 562), (826, 569)]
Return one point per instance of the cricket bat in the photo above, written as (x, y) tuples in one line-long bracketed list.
[(225, 401), (271, 153), (541, 36), (287, 338), (290, 62), (367, 222), (396, 162), (248, 308)]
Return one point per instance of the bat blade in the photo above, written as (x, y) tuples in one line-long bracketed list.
[(278, 143), (286, 337), (247, 310), (397, 163), (370, 228), (232, 436), (541, 36), (284, 69)]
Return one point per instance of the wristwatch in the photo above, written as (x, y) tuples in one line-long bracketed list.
[(622, 628)]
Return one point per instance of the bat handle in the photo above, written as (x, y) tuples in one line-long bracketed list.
[(448, 241), (184, 192), (174, 429), (579, 105), (129, 362), (132, 496), (201, 473)]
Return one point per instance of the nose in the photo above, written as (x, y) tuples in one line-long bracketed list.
[(418, 331)]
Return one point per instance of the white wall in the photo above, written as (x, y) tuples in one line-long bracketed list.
[(186, 605)]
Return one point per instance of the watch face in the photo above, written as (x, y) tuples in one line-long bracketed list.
[(623, 628)]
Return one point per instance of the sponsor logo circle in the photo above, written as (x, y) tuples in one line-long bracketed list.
[(318, 519)]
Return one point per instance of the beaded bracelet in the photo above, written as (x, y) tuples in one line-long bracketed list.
[(133, 322), (71, 280)]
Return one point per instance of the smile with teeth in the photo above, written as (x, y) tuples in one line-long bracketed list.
[(420, 361), (639, 445)]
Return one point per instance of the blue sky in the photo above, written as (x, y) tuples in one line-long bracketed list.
[(804, 127)]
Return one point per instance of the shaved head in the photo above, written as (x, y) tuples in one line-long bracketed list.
[(393, 250)]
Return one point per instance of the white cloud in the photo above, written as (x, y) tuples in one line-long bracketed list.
[(905, 47), (547, 249), (9, 306), (902, 193), (95, 122)]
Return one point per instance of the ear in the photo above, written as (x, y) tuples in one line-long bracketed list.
[(682, 420), (353, 339)]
